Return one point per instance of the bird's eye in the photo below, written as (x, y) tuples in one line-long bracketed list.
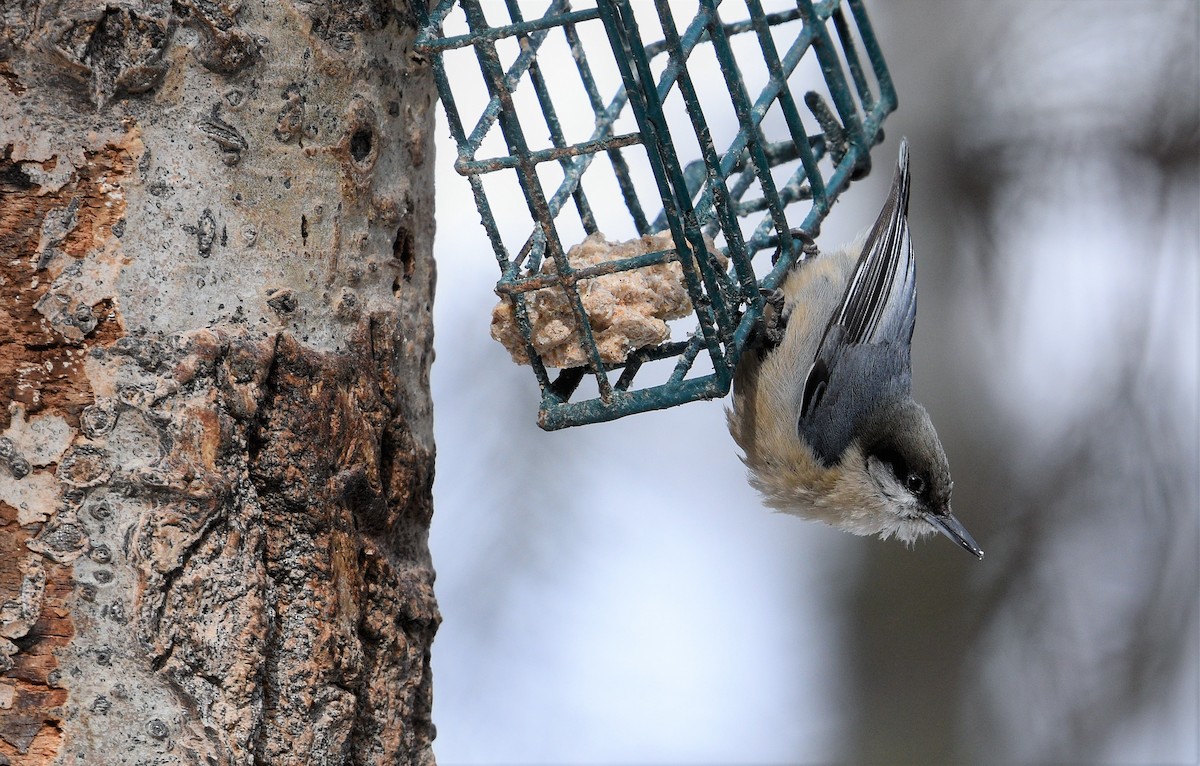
[(915, 483)]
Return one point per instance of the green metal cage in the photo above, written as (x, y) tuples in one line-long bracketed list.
[(687, 133)]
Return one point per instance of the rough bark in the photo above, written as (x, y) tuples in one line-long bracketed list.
[(216, 448)]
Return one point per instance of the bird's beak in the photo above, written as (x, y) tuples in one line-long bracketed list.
[(950, 527)]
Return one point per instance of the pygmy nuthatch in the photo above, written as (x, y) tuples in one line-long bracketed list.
[(822, 403)]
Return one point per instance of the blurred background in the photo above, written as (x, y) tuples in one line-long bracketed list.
[(617, 594)]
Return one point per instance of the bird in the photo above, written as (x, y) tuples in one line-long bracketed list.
[(822, 408)]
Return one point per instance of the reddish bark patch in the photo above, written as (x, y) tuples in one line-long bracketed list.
[(29, 705), (40, 367)]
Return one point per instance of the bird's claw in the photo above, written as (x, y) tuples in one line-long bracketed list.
[(808, 245), (773, 321)]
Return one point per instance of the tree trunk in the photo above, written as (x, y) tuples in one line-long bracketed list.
[(216, 447)]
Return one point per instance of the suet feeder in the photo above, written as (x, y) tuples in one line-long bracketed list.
[(702, 138)]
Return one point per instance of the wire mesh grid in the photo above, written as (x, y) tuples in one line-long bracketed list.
[(686, 137)]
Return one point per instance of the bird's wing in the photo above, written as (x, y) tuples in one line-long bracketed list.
[(863, 357)]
